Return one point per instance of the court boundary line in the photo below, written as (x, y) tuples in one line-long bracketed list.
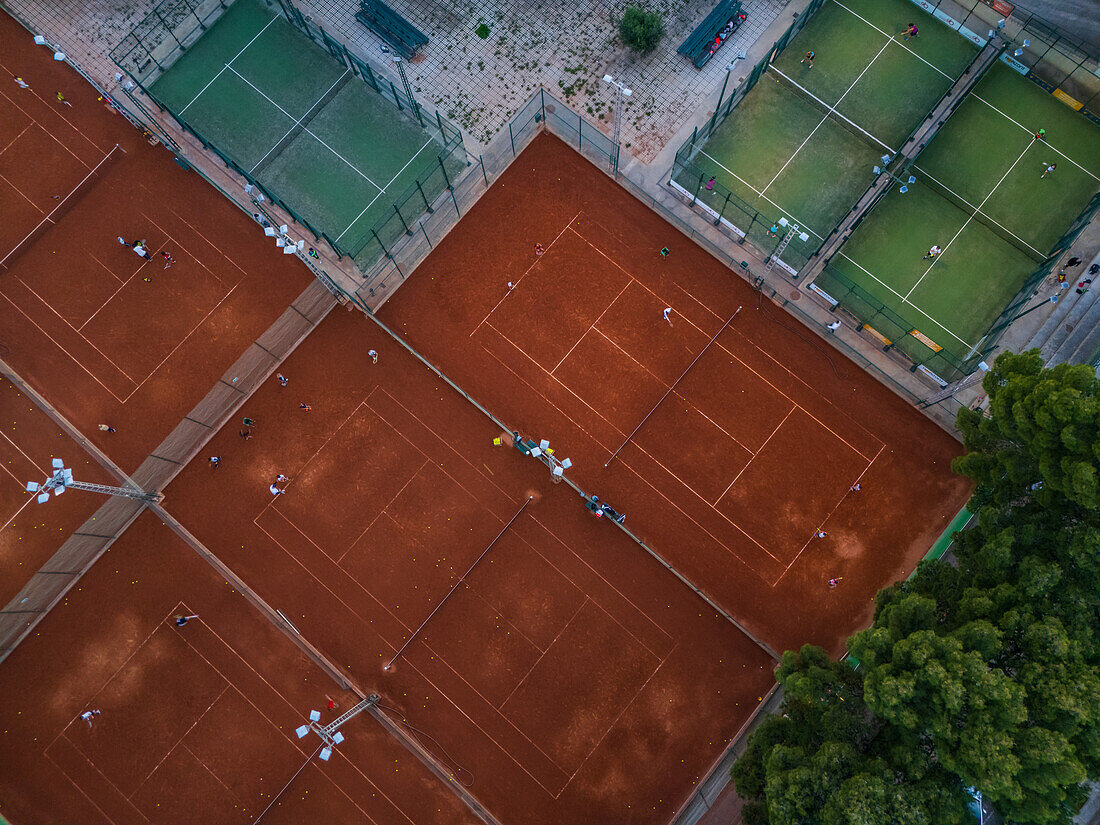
[(600, 443), (759, 194), (825, 117), (274, 17), (828, 516), (591, 327), (977, 209), (753, 455), (521, 276), (903, 299), (970, 218), (383, 190), (78, 131)]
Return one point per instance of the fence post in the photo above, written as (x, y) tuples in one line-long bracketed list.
[(446, 177), (722, 211), (481, 160), (425, 231), (402, 217), (427, 205), (396, 97), (698, 186), (511, 138)]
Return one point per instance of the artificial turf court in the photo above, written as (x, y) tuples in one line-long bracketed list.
[(995, 223), (300, 122), (781, 152), (105, 335)]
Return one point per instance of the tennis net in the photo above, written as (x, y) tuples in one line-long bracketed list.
[(301, 125), (63, 206), (982, 218), (829, 111)]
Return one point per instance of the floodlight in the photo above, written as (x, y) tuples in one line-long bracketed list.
[(315, 716), (57, 463), (911, 179), (301, 245), (904, 189), (59, 55), (1027, 43), (1018, 52), (43, 498), (627, 92), (290, 250), (878, 170), (269, 232), (40, 40), (280, 242), (990, 34), (58, 490), (557, 472), (544, 444), (326, 753), (886, 159), (536, 452), (284, 228), (802, 236), (302, 730), (337, 737), (566, 463), (783, 222), (606, 78)]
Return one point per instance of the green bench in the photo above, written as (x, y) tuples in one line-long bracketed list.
[(401, 35), (715, 30)]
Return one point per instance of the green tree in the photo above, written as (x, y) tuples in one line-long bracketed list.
[(641, 30), (1042, 440), (827, 761)]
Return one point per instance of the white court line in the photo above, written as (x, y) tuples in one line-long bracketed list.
[(759, 450), (826, 117), (384, 188), (219, 74), (592, 326), (977, 210), (520, 278), (307, 131), (968, 220), (903, 299), (1030, 132), (760, 194), (298, 121), (892, 40)]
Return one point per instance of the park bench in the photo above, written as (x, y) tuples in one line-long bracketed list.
[(401, 35), (715, 30)]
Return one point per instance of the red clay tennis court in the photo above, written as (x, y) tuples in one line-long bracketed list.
[(197, 722), (107, 335), (543, 675), (743, 459)]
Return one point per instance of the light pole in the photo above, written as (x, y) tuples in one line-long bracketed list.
[(62, 478), (623, 92)]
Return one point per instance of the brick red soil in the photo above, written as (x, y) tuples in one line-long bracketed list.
[(78, 318), (31, 532), (555, 672), (578, 352), (197, 723)]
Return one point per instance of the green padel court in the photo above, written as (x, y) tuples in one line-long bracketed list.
[(305, 126), (980, 197), (786, 155)]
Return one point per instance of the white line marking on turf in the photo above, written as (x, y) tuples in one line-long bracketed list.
[(219, 74), (826, 117), (969, 219), (383, 189)]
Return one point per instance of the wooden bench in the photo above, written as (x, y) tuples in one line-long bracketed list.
[(401, 35), (709, 35)]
